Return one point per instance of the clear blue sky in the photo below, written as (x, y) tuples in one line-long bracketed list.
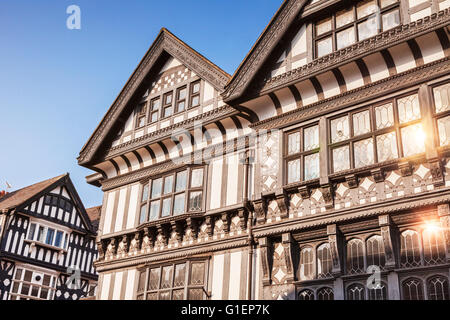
[(56, 84)]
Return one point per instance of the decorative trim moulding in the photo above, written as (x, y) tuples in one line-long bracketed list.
[(363, 94), (383, 207), (175, 253), (167, 165), (165, 133), (165, 41), (359, 50)]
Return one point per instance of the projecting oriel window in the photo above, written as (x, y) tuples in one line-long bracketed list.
[(382, 132), (353, 24), (302, 154), (173, 194)]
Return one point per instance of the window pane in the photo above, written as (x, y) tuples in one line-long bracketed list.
[(166, 277), (355, 256), (155, 104), (180, 275), (366, 8), (166, 208), (324, 47), (344, 17), (324, 262), (195, 294), (306, 266), (168, 111), (197, 178), (375, 252), (363, 153), (197, 273), (391, 20), (40, 237), (196, 87), (368, 28), (154, 116), (345, 38), (182, 94), (181, 181), (178, 205), (143, 215), (141, 283), (323, 26), (168, 99), (145, 193), (178, 295), (293, 171), (341, 160), (195, 101), (444, 131), (387, 147), (413, 290), (355, 292), (153, 280), (385, 3), (384, 116), (410, 249), (31, 232), (311, 137), (50, 235), (156, 188), (306, 295), (340, 129), (168, 184), (361, 123), (413, 140), (195, 201), (18, 275), (28, 276), (294, 143), (442, 98), (181, 106), (312, 166), (408, 108), (154, 210), (58, 239)]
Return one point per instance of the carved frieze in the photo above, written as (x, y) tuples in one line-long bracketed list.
[(437, 172)]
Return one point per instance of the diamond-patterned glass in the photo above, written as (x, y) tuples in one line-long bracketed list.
[(341, 159), (294, 143), (387, 146), (311, 138), (408, 108), (361, 123), (444, 131), (340, 129), (363, 153), (384, 116), (413, 140), (312, 166), (442, 97), (294, 171)]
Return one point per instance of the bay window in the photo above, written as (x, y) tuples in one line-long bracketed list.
[(382, 132), (173, 194), (441, 95), (47, 235)]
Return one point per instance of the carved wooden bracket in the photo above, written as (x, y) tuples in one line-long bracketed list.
[(352, 181), (242, 214), (304, 191), (162, 231), (327, 193), (148, 239), (444, 217), (135, 244), (377, 174), (193, 226), (437, 172), (209, 225), (178, 228), (387, 235), (281, 202), (264, 254), (260, 211), (123, 246), (406, 169), (226, 222), (334, 248), (101, 250), (111, 249), (287, 242)]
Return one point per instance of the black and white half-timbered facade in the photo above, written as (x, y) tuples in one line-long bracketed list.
[(319, 171), (47, 243)]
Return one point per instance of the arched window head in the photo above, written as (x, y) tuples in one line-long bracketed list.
[(410, 249), (355, 256), (306, 266), (378, 292), (325, 294), (324, 261), (375, 252), (306, 295), (412, 289), (438, 288), (433, 246), (356, 292)]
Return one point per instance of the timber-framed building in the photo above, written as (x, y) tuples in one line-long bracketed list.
[(322, 162)]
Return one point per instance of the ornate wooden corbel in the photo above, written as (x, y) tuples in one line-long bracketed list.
[(444, 218), (377, 174), (387, 234), (327, 193), (281, 202), (437, 172), (101, 250), (192, 226), (333, 239), (122, 248), (264, 253), (406, 168), (209, 225), (135, 244), (260, 211), (287, 242), (243, 216), (226, 222), (305, 192), (147, 240), (352, 181), (177, 227), (161, 241), (111, 249)]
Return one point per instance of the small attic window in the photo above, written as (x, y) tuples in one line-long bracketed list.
[(141, 112)]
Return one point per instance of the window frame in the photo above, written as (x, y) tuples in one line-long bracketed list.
[(141, 113), (335, 30), (37, 225), (178, 100), (373, 133), (438, 115), (51, 288), (154, 111), (165, 105), (192, 95)]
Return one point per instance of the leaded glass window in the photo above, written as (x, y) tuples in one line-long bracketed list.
[(375, 252), (379, 133), (356, 292), (378, 292), (438, 288), (302, 154), (355, 256), (441, 96), (410, 249), (433, 246), (412, 289), (306, 266), (32, 285), (324, 261), (325, 294), (306, 295)]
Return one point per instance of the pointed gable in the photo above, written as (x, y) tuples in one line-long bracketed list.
[(168, 63)]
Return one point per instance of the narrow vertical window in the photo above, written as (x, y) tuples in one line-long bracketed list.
[(355, 256), (306, 267), (167, 105), (410, 249), (412, 289), (195, 94)]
